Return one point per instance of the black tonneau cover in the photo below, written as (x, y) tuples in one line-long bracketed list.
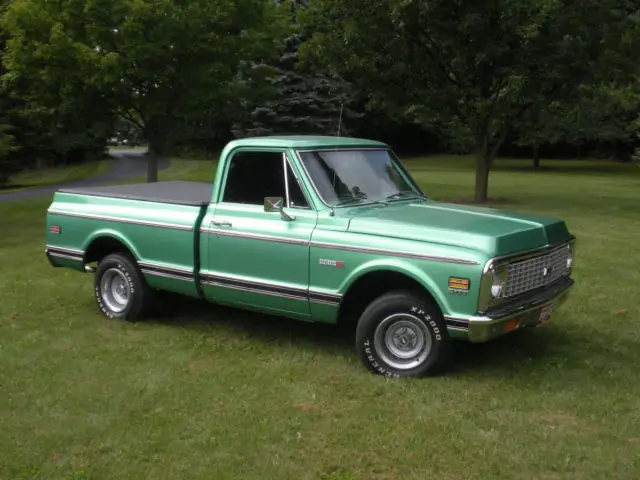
[(180, 193)]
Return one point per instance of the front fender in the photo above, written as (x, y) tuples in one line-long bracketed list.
[(398, 266)]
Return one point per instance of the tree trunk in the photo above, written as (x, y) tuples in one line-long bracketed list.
[(536, 157), (482, 174), (152, 165), (487, 148)]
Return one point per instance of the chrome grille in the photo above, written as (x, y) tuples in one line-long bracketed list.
[(536, 272)]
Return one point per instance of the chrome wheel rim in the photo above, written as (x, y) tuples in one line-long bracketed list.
[(403, 341), (115, 290)]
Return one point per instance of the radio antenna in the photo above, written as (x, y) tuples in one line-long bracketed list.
[(340, 120)]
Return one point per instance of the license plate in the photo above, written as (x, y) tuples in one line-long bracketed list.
[(545, 315)]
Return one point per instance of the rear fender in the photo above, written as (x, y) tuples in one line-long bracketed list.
[(110, 234)]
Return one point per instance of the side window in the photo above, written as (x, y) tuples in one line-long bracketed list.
[(253, 176), (296, 197)]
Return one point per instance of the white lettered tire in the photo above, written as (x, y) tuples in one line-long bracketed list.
[(120, 289), (403, 334)]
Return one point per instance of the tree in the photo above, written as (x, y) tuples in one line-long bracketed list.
[(298, 101), (302, 102), (6, 146), (541, 124), (605, 114), (154, 63), (471, 68), (7, 140), (54, 116)]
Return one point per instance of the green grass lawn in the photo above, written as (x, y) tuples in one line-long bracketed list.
[(213, 393), (56, 176)]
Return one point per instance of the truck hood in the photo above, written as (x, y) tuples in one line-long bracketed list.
[(495, 232)]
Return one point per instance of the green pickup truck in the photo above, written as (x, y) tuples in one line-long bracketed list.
[(320, 229)]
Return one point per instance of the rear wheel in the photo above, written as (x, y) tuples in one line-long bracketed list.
[(402, 334), (120, 288)]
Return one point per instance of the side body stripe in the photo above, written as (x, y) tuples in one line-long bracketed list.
[(67, 253), (171, 226), (316, 296), (151, 268), (273, 238)]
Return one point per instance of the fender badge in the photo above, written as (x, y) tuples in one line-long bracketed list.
[(331, 263), (459, 285)]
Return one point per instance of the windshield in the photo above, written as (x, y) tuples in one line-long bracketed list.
[(351, 177)]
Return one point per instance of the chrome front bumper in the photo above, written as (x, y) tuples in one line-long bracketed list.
[(533, 311)]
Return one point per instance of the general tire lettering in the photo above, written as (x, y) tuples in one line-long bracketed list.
[(424, 315), (141, 296)]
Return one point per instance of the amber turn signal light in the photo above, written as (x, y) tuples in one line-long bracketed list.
[(511, 324)]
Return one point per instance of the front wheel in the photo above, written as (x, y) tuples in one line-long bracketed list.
[(402, 334)]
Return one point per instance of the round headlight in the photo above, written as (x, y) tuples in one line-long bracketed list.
[(569, 257), (497, 286)]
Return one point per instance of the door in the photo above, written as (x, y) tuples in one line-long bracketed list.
[(256, 258)]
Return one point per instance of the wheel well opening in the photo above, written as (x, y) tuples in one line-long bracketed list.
[(102, 247), (371, 286)]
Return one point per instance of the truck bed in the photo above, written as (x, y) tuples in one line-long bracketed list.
[(179, 193)]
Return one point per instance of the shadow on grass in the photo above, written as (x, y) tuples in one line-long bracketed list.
[(503, 353), (556, 357), (201, 316), (520, 350)]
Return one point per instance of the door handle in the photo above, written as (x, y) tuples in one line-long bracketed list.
[(221, 223)]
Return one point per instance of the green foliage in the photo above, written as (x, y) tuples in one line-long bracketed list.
[(7, 166), (126, 130), (471, 68), (54, 119), (301, 102), (605, 113), (298, 101), (191, 74), (156, 63), (6, 141)]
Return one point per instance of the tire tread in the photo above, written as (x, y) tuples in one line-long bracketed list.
[(142, 301), (403, 300)]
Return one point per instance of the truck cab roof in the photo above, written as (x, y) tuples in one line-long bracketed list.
[(304, 141)]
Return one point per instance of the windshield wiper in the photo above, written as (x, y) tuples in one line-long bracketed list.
[(362, 201), (397, 195), (349, 201)]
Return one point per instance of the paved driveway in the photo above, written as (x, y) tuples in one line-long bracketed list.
[(126, 164)]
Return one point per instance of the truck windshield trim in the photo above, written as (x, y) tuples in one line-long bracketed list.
[(342, 176)]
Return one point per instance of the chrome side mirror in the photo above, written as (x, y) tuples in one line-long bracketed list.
[(276, 204)]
